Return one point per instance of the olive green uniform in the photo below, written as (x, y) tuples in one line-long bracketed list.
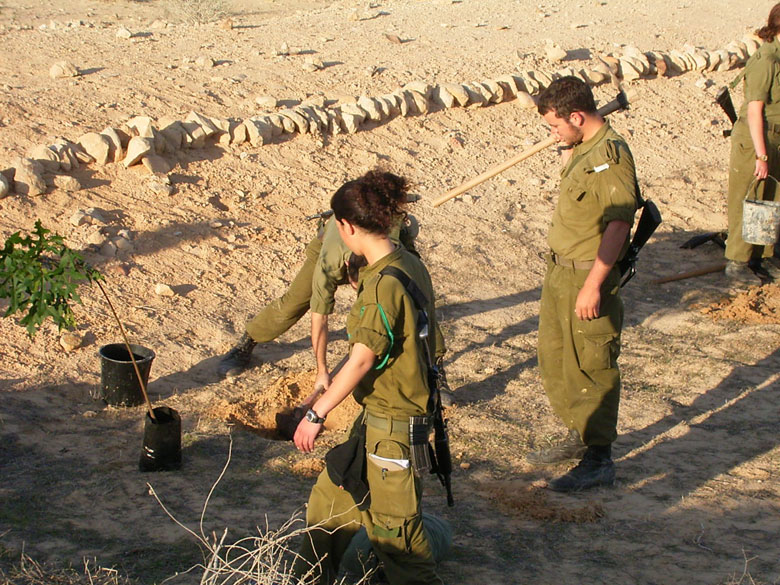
[(762, 83), (578, 359), (314, 287), (383, 318)]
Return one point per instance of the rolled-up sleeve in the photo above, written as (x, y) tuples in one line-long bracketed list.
[(759, 75), (371, 330)]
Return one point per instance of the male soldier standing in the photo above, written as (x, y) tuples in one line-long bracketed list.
[(581, 312)]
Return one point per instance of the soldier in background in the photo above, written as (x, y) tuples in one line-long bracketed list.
[(581, 312), (755, 155)]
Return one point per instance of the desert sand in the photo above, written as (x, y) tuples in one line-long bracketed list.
[(698, 461)]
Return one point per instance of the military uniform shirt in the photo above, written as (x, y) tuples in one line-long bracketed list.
[(598, 185), (762, 81), (331, 268), (384, 319)]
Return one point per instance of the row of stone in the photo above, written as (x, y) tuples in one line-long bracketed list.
[(144, 141)]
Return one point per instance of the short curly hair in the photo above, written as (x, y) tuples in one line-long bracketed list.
[(566, 95)]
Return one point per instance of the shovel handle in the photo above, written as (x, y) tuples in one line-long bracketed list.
[(619, 103)]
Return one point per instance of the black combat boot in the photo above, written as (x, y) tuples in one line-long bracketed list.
[(237, 359), (595, 469), (570, 447)]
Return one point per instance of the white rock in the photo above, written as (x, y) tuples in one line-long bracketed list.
[(137, 148), (205, 62), (195, 136), (29, 177), (525, 100), (370, 107), (266, 102), (554, 52), (123, 244), (156, 164), (208, 126), (97, 215), (108, 249), (63, 69), (70, 341), (95, 237), (46, 157), (163, 290), (160, 185), (97, 146), (142, 126), (115, 151), (80, 218), (5, 186), (67, 183), (123, 33)]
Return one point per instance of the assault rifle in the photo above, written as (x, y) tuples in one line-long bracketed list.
[(424, 456), (723, 99), (649, 221)]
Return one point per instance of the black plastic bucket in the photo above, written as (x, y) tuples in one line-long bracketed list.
[(162, 441), (119, 384)]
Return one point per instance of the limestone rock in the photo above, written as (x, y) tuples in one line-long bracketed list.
[(5, 186), (67, 183), (554, 52), (371, 108), (301, 125), (123, 244), (29, 177), (70, 341), (65, 154), (163, 290), (457, 91), (525, 100), (442, 97), (258, 131), (63, 69), (46, 157), (137, 148), (142, 126), (495, 89), (108, 249), (80, 218), (266, 102), (123, 33), (277, 124), (95, 237), (156, 164), (205, 62), (175, 135), (311, 64), (509, 84), (97, 146), (160, 185), (420, 87), (195, 136), (208, 126), (238, 134)]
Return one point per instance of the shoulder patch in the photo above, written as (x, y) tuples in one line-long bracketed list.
[(612, 151)]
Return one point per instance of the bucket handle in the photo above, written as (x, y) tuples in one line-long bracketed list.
[(755, 181)]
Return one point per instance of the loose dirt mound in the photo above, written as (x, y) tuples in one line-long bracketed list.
[(759, 305), (256, 410)]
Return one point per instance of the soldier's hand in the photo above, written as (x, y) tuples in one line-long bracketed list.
[(762, 169), (305, 435), (587, 305)]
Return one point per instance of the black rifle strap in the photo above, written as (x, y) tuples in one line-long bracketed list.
[(419, 298)]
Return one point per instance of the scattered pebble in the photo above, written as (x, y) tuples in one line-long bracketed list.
[(163, 290), (70, 341)]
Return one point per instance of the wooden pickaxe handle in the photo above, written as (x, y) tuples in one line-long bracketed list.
[(619, 103), (692, 273)]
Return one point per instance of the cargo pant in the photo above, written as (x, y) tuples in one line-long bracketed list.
[(578, 359), (284, 312), (393, 521), (742, 165)]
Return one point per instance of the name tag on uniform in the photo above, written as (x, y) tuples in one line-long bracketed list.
[(600, 168)]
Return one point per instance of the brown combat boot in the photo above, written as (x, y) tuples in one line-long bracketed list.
[(594, 470), (568, 448)]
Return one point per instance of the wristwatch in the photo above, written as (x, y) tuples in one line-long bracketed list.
[(313, 417), (763, 157)]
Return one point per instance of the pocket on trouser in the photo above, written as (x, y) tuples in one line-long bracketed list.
[(597, 351), (389, 533), (393, 491)]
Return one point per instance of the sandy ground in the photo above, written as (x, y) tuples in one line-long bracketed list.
[(696, 499)]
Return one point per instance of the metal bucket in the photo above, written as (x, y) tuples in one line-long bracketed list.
[(760, 218)]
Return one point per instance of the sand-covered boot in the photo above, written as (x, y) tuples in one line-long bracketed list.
[(237, 359), (596, 469), (741, 274), (568, 448)]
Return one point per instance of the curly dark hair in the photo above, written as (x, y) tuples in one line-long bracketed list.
[(374, 202), (772, 28), (565, 96)]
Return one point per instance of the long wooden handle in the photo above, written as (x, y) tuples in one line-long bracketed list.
[(692, 273), (618, 103)]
